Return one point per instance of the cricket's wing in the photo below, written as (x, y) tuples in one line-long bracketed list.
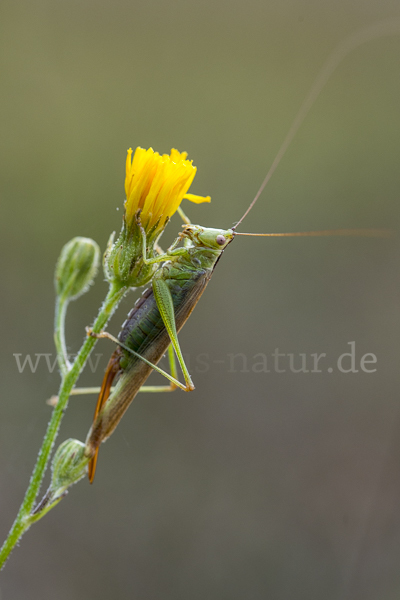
[(112, 371)]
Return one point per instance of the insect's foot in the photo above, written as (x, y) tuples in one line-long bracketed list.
[(91, 333), (138, 219)]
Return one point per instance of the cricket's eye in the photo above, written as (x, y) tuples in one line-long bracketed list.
[(220, 240)]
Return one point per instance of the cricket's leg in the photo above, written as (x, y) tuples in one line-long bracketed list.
[(162, 257), (172, 367), (105, 334), (166, 307), (145, 388)]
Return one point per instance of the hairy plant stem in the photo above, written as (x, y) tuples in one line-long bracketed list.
[(59, 335), (69, 377)]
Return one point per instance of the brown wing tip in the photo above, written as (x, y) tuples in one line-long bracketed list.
[(109, 376), (92, 466)]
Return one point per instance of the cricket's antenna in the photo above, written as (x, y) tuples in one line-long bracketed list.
[(384, 28), (326, 232)]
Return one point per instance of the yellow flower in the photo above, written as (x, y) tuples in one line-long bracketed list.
[(157, 184)]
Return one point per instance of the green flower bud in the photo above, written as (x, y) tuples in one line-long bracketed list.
[(76, 267), (69, 466)]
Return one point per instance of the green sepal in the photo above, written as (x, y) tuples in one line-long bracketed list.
[(123, 261)]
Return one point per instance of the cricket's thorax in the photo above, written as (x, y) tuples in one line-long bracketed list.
[(203, 257)]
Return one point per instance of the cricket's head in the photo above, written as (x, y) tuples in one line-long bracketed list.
[(215, 239)]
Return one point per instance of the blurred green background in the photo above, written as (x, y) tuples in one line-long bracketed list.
[(257, 485)]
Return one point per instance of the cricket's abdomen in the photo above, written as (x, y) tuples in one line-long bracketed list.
[(145, 333)]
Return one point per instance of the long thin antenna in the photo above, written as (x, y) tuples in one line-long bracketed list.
[(384, 28), (326, 232)]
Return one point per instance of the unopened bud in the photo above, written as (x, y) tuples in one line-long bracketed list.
[(76, 267), (69, 466)]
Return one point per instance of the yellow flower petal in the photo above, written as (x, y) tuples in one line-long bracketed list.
[(197, 199), (156, 185)]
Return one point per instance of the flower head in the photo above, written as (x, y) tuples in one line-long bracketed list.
[(156, 185)]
